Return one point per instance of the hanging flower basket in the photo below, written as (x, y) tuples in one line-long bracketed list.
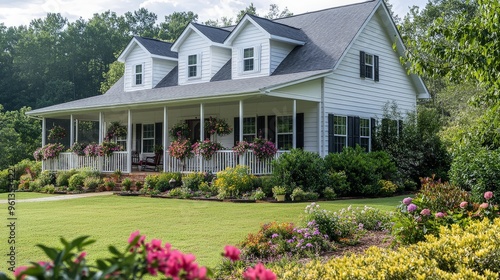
[(180, 149), (263, 149), (179, 131), (115, 130), (57, 133), (48, 151), (217, 126), (206, 148), (107, 148), (241, 148)]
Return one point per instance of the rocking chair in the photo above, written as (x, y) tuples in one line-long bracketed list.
[(135, 160), (152, 162)]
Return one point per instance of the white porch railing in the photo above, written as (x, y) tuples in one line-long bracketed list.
[(220, 161), (68, 161)]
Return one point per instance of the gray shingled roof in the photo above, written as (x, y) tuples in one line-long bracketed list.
[(224, 73), (117, 97), (279, 29), (157, 47), (329, 34), (215, 34), (171, 79)]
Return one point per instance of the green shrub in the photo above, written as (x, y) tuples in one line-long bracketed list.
[(258, 194), (299, 195), (75, 182), (163, 180), (265, 183), (233, 182), (477, 170), (329, 194), (126, 184), (363, 170), (300, 168), (387, 188), (326, 221), (47, 178), (27, 166), (87, 172), (50, 189), (151, 181), (337, 180), (24, 182), (192, 181), (181, 192), (469, 253), (91, 183), (208, 189), (62, 177), (35, 185), (439, 197), (4, 181)]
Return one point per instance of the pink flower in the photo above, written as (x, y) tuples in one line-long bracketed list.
[(407, 200), (440, 215), (81, 257), (425, 212), (488, 195), (231, 253), (20, 270), (259, 273), (484, 205), (133, 236), (412, 207), (464, 204)]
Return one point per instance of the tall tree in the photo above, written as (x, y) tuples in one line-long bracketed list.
[(251, 9), (142, 23), (275, 12), (174, 24)]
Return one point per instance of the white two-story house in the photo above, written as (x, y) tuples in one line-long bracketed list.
[(317, 81)]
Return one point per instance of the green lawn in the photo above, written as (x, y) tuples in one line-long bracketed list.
[(198, 227)]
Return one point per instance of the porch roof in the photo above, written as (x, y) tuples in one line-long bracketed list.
[(185, 94)]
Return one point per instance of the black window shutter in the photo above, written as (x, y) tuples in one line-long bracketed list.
[(375, 61), (356, 132), (271, 128), (362, 70), (138, 137), (373, 132), (158, 133), (236, 130), (331, 146), (300, 130), (261, 126), (350, 132)]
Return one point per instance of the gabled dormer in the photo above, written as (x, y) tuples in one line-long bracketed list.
[(201, 53), (147, 61), (259, 45)]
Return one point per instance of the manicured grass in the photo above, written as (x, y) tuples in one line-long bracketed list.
[(198, 227), (26, 195)]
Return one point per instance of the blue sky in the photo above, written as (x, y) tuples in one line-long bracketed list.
[(21, 12)]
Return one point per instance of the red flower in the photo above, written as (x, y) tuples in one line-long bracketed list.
[(231, 253), (259, 273)]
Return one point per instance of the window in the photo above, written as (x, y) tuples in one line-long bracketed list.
[(249, 129), (248, 59), (285, 132), (138, 74), (369, 66), (122, 141), (148, 138), (193, 66), (339, 132), (364, 134)]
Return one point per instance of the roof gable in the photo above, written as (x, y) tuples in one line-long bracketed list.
[(155, 48), (213, 35)]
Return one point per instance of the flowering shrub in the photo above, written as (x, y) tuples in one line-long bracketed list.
[(284, 239), (206, 148), (78, 148), (232, 182), (459, 253), (438, 196), (415, 220), (107, 148), (241, 147), (180, 149), (139, 259), (263, 149), (57, 133), (93, 150), (217, 126), (48, 151), (180, 131)]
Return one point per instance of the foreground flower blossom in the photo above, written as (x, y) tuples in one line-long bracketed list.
[(412, 207), (407, 200), (425, 212), (488, 195), (440, 215), (231, 253), (464, 204), (259, 272), (484, 205)]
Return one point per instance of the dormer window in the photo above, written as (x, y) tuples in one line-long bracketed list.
[(138, 74), (369, 66), (193, 63), (248, 59)]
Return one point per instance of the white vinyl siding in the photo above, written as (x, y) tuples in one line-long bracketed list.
[(219, 56), (279, 51), (194, 45), (137, 57), (346, 94), (161, 68), (250, 36)]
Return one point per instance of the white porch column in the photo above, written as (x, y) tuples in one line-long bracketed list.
[(165, 137), (44, 131), (320, 131), (241, 121), (101, 124), (202, 131), (71, 131), (294, 117), (129, 141), (76, 130)]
